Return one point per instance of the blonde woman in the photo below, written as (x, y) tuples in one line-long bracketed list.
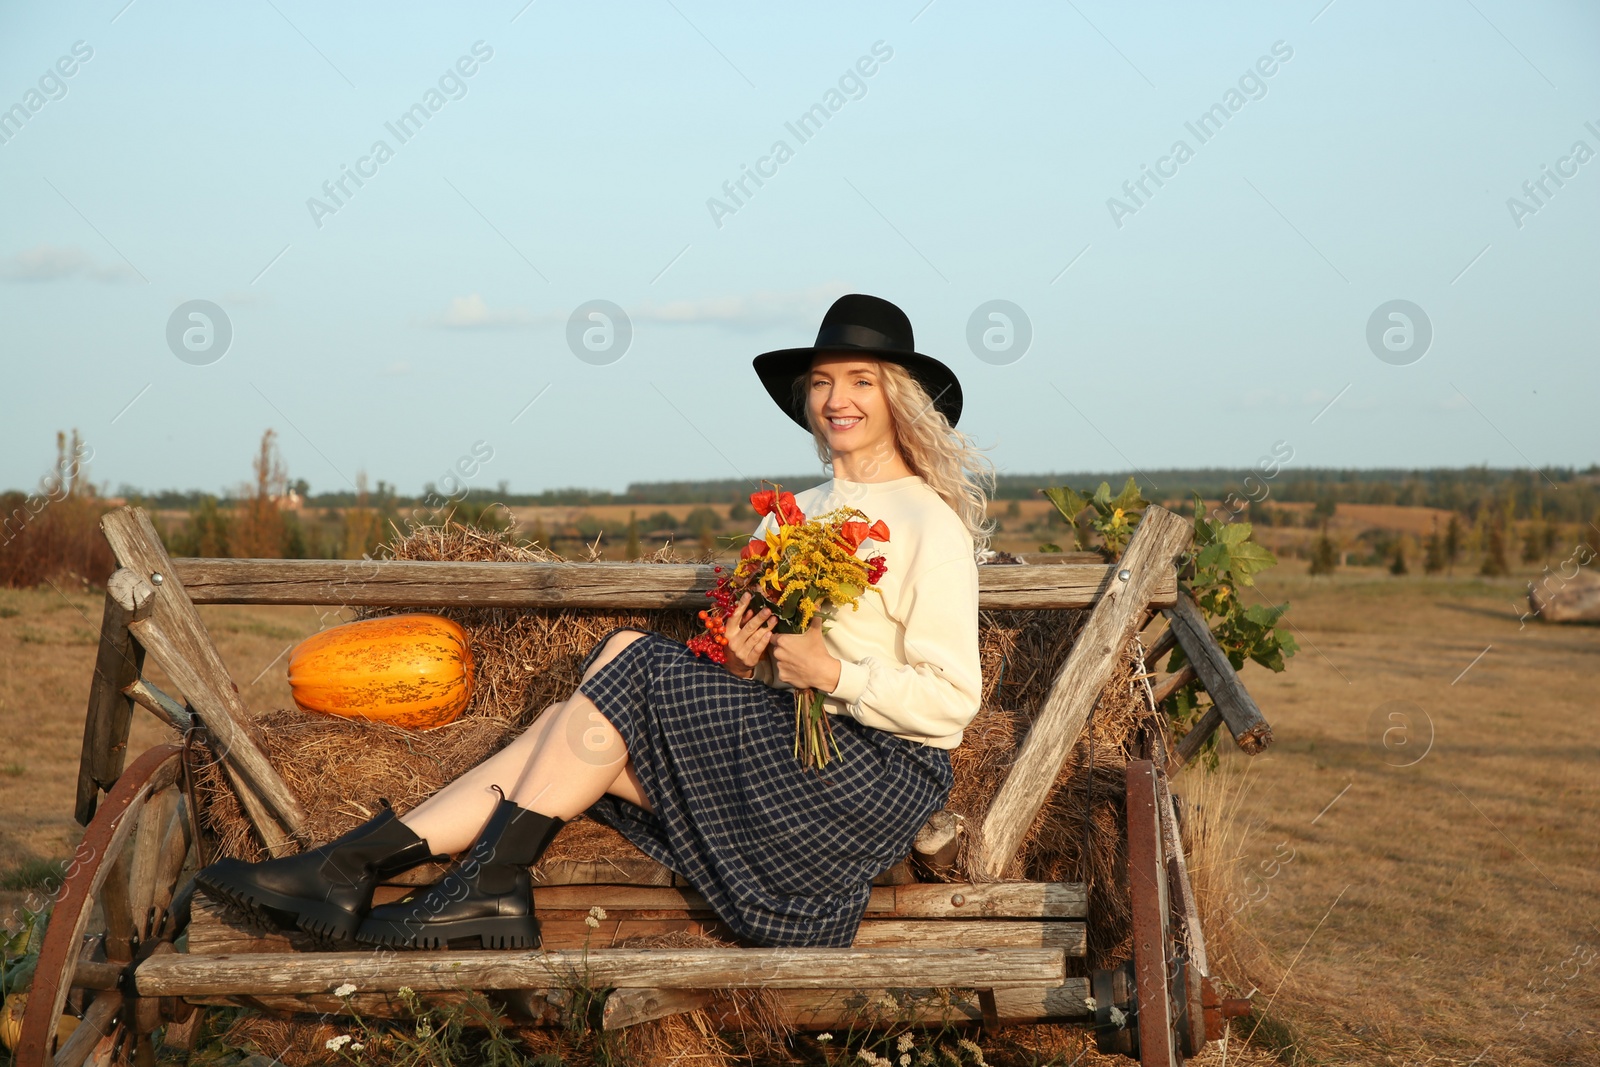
[(694, 761)]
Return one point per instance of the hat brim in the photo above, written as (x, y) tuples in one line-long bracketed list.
[(778, 370)]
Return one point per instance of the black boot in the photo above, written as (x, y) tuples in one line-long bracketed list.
[(326, 890), (487, 894)]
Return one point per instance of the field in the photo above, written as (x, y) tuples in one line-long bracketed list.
[(1427, 883)]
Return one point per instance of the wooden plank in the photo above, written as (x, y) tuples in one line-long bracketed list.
[(178, 640), (1188, 906), (1249, 727), (216, 929), (1150, 908), (638, 586), (109, 714), (951, 900), (1148, 562), (619, 870), (863, 1009), (629, 1007), (177, 974)]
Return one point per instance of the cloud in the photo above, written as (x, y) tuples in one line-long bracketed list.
[(744, 313), (56, 263), (473, 313), (753, 311)]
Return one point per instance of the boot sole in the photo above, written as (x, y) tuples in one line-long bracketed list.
[(492, 933), (312, 916)]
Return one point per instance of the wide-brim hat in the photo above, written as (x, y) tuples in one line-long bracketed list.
[(873, 327)]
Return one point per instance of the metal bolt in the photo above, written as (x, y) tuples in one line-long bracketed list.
[(1123, 576), (156, 579), (957, 900)]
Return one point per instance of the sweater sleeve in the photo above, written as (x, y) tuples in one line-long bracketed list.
[(939, 688)]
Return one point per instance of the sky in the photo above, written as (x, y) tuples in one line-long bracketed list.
[(1141, 235)]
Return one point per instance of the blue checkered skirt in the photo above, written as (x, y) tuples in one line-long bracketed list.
[(784, 855)]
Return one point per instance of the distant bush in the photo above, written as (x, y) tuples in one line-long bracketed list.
[(53, 535)]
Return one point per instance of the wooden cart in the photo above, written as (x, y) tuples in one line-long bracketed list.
[(132, 948)]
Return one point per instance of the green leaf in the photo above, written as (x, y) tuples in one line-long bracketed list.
[(1249, 558), (1129, 499), (1068, 502), (1265, 614)]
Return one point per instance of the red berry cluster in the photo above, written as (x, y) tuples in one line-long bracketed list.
[(875, 568), (713, 644)]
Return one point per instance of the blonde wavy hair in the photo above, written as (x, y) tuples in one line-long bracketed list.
[(948, 460)]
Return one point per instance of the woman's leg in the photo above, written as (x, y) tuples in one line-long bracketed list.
[(559, 766)]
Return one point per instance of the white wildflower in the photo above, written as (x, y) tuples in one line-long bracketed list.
[(907, 1041), (591, 922), (344, 990), (334, 1044), (1118, 1019), (824, 1038), (405, 991), (905, 1059), (1089, 1003), (597, 912), (971, 1047), (356, 1046)]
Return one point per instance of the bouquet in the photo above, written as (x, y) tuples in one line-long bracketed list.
[(802, 570)]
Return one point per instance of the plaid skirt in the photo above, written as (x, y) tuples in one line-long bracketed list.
[(784, 855)]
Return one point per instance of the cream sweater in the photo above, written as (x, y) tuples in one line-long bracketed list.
[(909, 660)]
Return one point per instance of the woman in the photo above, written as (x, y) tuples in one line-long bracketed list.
[(694, 761)]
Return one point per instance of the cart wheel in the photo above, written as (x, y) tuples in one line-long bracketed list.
[(121, 903)]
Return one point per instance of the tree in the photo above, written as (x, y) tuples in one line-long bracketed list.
[(361, 526), (207, 534), (1452, 543), (1433, 558), (1494, 554), (258, 527), (1397, 566), (1533, 542), (634, 552), (1323, 557)]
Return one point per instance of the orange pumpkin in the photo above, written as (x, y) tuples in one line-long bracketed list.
[(413, 671)]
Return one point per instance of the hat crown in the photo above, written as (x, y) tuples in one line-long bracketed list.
[(861, 321)]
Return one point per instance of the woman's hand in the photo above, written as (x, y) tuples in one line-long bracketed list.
[(804, 662), (747, 637)]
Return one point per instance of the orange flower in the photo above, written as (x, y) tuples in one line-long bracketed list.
[(853, 533), (769, 501), (754, 549)]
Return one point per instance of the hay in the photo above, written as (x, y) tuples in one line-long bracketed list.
[(700, 1036), (530, 659)]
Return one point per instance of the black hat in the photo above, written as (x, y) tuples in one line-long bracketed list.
[(873, 327)]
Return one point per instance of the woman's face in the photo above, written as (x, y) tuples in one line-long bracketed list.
[(846, 398)]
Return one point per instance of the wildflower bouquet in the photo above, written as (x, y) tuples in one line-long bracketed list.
[(804, 569)]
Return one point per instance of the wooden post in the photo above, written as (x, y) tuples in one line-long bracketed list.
[(150, 697), (106, 723), (1151, 909), (1250, 728), (175, 636), (1195, 738), (1148, 562)]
